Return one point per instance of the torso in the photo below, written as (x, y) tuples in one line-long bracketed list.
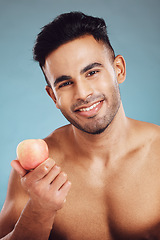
[(117, 201)]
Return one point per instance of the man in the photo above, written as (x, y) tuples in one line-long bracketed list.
[(112, 161)]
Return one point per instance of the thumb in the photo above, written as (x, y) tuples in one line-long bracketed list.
[(19, 169)]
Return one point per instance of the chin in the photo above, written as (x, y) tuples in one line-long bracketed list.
[(93, 130)]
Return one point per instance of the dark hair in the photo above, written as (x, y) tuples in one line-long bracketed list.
[(67, 27)]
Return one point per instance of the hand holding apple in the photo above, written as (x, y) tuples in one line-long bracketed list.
[(47, 186), (32, 152)]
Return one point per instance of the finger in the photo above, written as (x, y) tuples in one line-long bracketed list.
[(64, 191), (65, 188), (59, 181), (52, 174), (19, 169), (43, 169)]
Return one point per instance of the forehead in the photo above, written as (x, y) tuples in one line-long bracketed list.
[(74, 55)]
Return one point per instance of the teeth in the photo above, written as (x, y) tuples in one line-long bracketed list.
[(89, 108)]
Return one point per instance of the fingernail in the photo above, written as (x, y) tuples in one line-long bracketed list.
[(69, 183), (50, 161), (57, 167), (64, 174)]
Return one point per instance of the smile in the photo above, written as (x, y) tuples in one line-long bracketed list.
[(89, 108)]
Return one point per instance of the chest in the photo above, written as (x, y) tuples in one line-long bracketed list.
[(125, 203), (84, 216)]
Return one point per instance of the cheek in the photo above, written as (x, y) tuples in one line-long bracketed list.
[(105, 84), (62, 102), (110, 81), (58, 102)]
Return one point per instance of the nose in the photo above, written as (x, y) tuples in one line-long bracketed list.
[(83, 89)]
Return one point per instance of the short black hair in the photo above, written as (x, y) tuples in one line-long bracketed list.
[(67, 27)]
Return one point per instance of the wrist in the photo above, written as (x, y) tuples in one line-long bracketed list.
[(33, 224), (39, 214)]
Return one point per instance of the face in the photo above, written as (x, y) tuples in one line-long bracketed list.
[(84, 83)]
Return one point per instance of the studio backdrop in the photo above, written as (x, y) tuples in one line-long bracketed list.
[(27, 111)]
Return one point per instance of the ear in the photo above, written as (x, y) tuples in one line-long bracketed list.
[(120, 68), (52, 95)]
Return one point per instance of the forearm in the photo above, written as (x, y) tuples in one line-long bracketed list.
[(47, 188), (32, 225)]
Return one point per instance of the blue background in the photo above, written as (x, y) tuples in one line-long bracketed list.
[(25, 108)]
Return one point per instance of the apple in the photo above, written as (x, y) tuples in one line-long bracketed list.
[(32, 152)]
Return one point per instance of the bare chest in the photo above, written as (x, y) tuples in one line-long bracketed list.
[(122, 206), (84, 216), (121, 201)]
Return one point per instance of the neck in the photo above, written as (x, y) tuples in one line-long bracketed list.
[(103, 145)]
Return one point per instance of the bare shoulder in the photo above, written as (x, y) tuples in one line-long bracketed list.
[(145, 128), (58, 142), (148, 134), (58, 137), (154, 131), (15, 201)]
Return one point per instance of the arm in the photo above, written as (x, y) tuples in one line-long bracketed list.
[(32, 202)]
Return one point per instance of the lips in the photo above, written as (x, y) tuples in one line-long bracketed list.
[(89, 111), (86, 109)]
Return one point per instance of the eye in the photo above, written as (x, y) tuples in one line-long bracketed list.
[(65, 84), (91, 73)]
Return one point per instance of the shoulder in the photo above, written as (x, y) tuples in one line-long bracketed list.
[(15, 201), (152, 136), (151, 131), (145, 130), (155, 140), (16, 195), (58, 142), (148, 136), (145, 136), (58, 136)]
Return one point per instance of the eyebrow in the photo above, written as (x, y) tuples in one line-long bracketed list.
[(61, 79), (90, 66), (85, 69)]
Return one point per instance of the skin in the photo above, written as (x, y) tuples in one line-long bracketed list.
[(115, 191)]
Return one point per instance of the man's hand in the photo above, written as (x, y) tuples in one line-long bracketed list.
[(46, 185)]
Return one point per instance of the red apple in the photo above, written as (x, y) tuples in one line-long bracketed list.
[(32, 152)]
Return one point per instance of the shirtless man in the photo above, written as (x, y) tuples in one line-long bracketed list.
[(112, 161)]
